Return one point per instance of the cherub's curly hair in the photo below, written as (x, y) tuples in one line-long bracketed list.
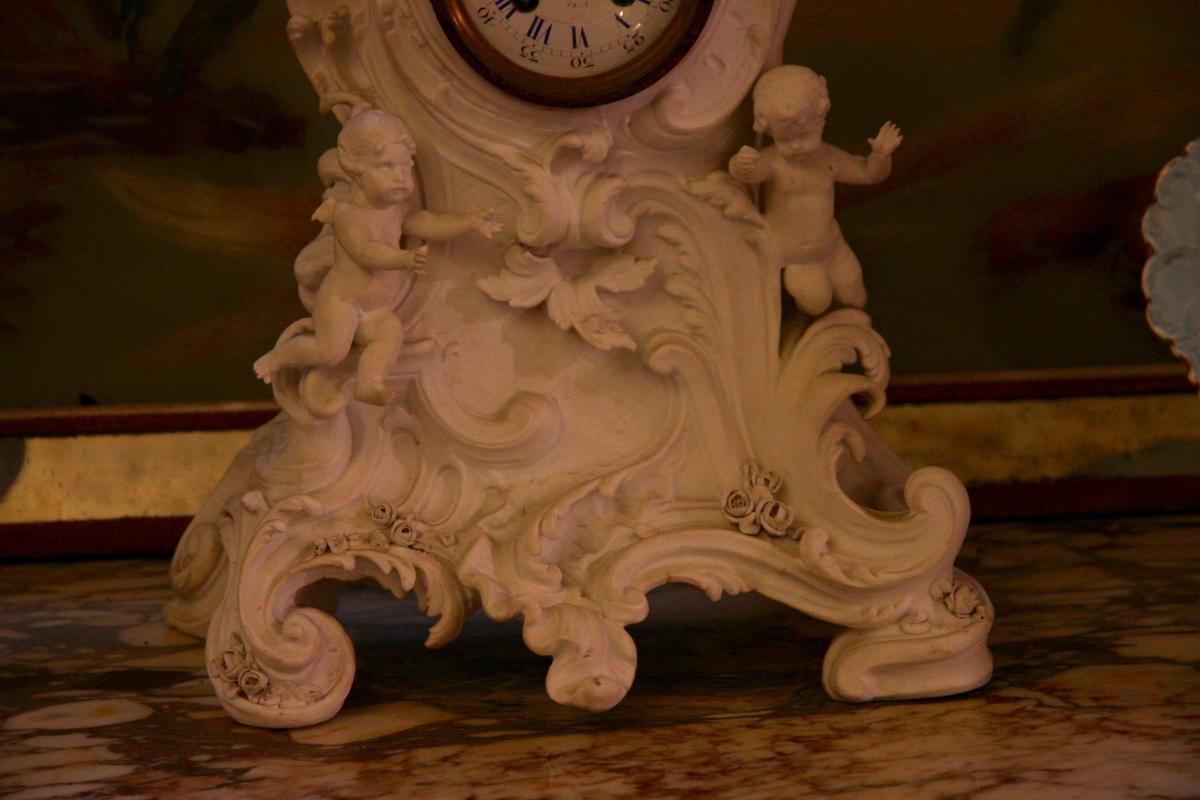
[(785, 92), (367, 133)]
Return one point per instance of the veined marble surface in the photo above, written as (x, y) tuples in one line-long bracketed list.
[(1096, 695)]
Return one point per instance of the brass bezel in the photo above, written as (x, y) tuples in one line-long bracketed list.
[(648, 67)]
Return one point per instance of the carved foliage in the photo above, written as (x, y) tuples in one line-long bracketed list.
[(572, 302)]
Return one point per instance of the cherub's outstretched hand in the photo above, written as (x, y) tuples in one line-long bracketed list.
[(487, 223), (743, 164), (887, 140)]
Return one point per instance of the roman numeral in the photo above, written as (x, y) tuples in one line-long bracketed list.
[(621, 20), (503, 4), (536, 29), (578, 38)]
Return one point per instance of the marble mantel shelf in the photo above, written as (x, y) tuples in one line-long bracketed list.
[(1096, 695)]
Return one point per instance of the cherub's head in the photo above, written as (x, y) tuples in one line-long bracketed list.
[(376, 150), (790, 105)]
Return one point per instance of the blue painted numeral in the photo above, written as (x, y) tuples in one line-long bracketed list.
[(539, 29)]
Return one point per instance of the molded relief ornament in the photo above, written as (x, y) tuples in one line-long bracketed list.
[(238, 671), (754, 508)]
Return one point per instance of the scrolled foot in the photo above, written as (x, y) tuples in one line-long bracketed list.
[(197, 578), (594, 658), (295, 676), (938, 650), (591, 693)]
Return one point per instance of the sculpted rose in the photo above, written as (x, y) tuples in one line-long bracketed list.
[(232, 664), (739, 509), (404, 533), (339, 543), (753, 476), (252, 683), (769, 479), (775, 517), (963, 601), (382, 514)]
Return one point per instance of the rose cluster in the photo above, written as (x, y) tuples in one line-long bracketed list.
[(238, 667), (392, 527), (405, 530), (754, 509), (343, 542)]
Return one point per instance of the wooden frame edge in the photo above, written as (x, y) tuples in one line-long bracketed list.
[(148, 418), (1085, 497), (128, 536), (158, 536), (1039, 384), (903, 390)]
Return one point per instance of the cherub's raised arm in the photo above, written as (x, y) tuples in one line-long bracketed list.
[(354, 236), (443, 227), (856, 169), (873, 168)]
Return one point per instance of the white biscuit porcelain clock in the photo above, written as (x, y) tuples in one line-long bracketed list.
[(547, 366)]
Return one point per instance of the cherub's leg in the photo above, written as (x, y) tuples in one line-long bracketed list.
[(809, 286), (846, 275), (334, 323), (383, 334)]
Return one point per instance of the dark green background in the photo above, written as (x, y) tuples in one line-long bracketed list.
[(158, 163)]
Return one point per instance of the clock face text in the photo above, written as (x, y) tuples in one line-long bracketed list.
[(572, 38)]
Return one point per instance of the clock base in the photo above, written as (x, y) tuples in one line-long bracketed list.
[(604, 397)]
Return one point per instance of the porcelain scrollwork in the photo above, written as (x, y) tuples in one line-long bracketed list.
[(662, 420)]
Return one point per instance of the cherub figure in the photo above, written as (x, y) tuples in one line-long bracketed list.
[(357, 298), (800, 170)]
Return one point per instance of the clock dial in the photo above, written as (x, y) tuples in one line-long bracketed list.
[(572, 52), (569, 38)]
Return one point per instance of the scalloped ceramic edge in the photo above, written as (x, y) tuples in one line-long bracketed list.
[(1171, 277)]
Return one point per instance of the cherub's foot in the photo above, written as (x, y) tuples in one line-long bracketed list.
[(266, 367), (377, 394)]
